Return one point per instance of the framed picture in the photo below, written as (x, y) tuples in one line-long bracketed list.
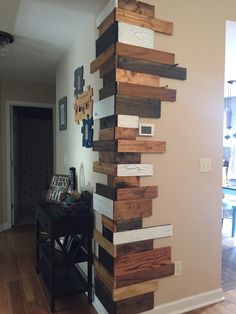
[(62, 113), (79, 81)]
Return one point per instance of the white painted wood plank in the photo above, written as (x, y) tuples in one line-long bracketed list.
[(135, 35), (127, 121), (103, 205), (140, 170), (104, 108), (112, 4), (142, 234)]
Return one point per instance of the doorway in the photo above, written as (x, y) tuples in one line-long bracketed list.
[(31, 159)]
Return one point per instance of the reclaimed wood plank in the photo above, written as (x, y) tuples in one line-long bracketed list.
[(158, 147), (118, 133), (103, 242), (135, 247), (103, 205), (105, 146), (123, 181), (106, 277), (126, 76), (107, 91), (140, 170), (105, 168), (105, 11), (109, 37), (119, 194), (143, 107), (163, 70), (155, 24), (102, 59), (132, 305), (142, 234), (107, 22), (120, 120), (161, 93), (137, 7), (122, 225), (109, 66), (145, 54), (119, 158)]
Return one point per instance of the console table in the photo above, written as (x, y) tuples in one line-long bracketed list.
[(63, 242)]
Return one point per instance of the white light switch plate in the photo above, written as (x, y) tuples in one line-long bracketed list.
[(205, 165)]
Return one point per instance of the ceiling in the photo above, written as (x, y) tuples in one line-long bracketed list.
[(42, 29)]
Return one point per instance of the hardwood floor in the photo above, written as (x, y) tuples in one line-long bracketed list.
[(20, 288), (21, 291)]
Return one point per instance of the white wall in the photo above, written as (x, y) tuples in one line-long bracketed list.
[(192, 127)]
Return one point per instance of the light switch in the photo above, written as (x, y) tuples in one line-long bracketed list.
[(205, 165)]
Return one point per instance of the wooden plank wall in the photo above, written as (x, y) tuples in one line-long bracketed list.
[(128, 266)]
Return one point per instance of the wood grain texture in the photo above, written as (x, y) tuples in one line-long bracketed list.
[(124, 181), (143, 107), (132, 209), (132, 263), (118, 133), (102, 59), (157, 147), (123, 170), (126, 76), (109, 37), (137, 7), (107, 22), (163, 70), (104, 274), (145, 54), (119, 194), (109, 169), (135, 247), (132, 305), (119, 158), (155, 24), (103, 242), (105, 146), (108, 66), (161, 93), (121, 225)]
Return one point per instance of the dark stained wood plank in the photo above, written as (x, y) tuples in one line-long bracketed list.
[(158, 147), (143, 107), (145, 192), (119, 158), (161, 93), (132, 305), (163, 70), (108, 122), (145, 54), (108, 91), (109, 37), (135, 247), (137, 7), (109, 66), (104, 146), (118, 133), (122, 225), (123, 181), (108, 234)]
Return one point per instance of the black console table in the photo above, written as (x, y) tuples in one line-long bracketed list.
[(63, 241)]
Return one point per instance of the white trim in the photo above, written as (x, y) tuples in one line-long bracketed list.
[(9, 104), (190, 303), (103, 205), (104, 108), (4, 227)]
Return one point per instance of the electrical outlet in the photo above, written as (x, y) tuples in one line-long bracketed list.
[(178, 268)]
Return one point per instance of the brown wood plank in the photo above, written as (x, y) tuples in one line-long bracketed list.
[(122, 225), (137, 7), (109, 169), (106, 277), (107, 91), (129, 17), (134, 305), (119, 194), (109, 20), (109, 37), (119, 158), (135, 247), (146, 54), (123, 181), (163, 70), (158, 147), (131, 263), (161, 93), (104, 146), (126, 76), (143, 275), (143, 107), (109, 66), (102, 59), (118, 133), (132, 209), (103, 242)]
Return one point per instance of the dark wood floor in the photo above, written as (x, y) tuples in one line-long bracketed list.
[(20, 288)]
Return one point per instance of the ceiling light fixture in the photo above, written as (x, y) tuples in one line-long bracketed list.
[(5, 39)]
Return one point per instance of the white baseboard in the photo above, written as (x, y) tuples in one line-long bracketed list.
[(179, 306), (190, 303), (4, 227)]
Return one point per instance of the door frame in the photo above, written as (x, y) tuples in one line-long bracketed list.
[(8, 148)]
